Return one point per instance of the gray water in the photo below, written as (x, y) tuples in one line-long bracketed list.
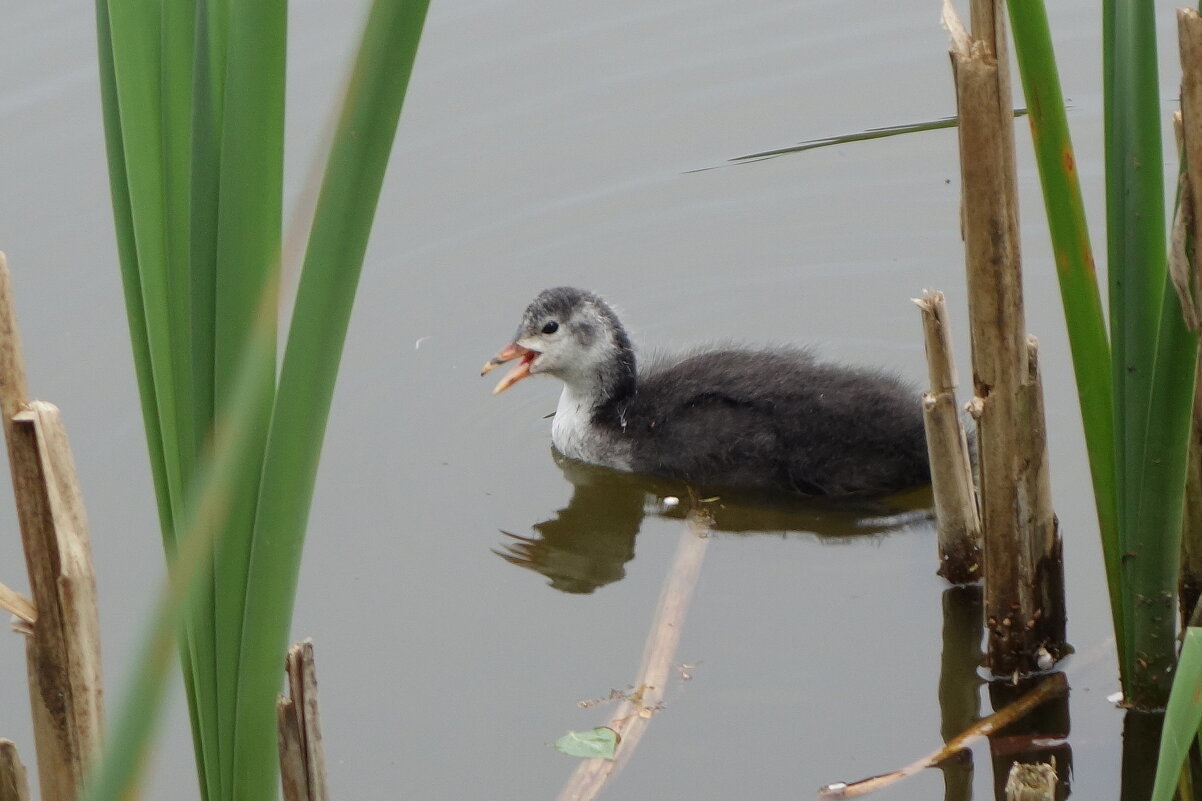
[(559, 143)]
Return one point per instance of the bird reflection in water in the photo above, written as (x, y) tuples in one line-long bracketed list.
[(587, 543)]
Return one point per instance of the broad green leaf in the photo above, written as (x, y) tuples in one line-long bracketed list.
[(193, 97), (337, 242), (1079, 291)]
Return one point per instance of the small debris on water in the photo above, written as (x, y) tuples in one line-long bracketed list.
[(834, 790), (1115, 698), (614, 695)]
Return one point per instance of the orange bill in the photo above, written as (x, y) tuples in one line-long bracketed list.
[(521, 370)]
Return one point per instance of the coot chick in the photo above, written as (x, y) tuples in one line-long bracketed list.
[(769, 419)]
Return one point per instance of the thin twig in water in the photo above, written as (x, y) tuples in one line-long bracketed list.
[(1054, 686)]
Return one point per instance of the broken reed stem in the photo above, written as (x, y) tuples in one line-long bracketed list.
[(1048, 625), (957, 519), (63, 642), (1189, 27), (302, 755), (988, 20), (14, 783), (1054, 686), (1189, 586), (636, 710), (13, 392), (18, 605), (1019, 536)]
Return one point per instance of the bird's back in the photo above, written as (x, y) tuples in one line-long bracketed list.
[(776, 419)]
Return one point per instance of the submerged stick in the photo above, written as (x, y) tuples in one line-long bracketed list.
[(1052, 687), (63, 641), (302, 755), (957, 520), (635, 712)]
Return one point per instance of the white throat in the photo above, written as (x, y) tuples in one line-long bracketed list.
[(576, 437)]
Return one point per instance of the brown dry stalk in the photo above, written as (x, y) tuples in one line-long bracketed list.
[(1020, 541), (63, 643), (1189, 26), (957, 519), (302, 755), (1184, 273)]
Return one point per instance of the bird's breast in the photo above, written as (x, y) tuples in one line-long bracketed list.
[(576, 434)]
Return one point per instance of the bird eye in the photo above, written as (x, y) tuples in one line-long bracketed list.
[(551, 327)]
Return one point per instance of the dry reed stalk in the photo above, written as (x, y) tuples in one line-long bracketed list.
[(635, 712), (1189, 31), (14, 784), (1189, 586), (957, 519), (1054, 686), (988, 21), (1020, 540), (1184, 273), (1048, 626), (302, 755), (63, 643)]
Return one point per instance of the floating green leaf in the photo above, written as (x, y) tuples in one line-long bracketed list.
[(600, 742)]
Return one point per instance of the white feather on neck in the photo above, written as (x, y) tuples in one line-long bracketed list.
[(576, 437)]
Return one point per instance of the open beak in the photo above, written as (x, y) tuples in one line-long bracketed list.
[(521, 370)]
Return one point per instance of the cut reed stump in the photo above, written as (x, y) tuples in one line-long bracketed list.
[(302, 755), (62, 630), (1024, 606), (957, 519), (1035, 782)]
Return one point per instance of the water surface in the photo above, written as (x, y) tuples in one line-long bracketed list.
[(548, 143)]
